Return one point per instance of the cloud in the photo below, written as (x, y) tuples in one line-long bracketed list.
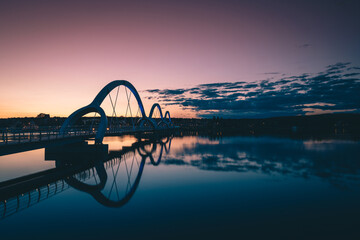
[(306, 45), (153, 90), (272, 73), (351, 74), (167, 91), (335, 89)]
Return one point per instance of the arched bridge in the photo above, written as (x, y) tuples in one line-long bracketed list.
[(111, 178), (144, 122), (119, 117)]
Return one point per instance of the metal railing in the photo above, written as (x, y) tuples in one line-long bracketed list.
[(41, 134), (17, 136)]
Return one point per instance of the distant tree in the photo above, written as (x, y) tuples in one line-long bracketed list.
[(43, 115)]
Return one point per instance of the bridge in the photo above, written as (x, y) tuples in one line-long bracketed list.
[(80, 125), (111, 178)]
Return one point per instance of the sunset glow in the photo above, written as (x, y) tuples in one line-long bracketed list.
[(56, 56)]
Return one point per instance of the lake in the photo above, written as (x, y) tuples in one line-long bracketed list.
[(184, 187)]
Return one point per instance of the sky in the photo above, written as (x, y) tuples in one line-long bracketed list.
[(196, 58)]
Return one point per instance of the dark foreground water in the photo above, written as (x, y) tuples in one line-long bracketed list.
[(185, 188)]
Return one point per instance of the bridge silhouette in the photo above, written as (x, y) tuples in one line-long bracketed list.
[(97, 174), (108, 123)]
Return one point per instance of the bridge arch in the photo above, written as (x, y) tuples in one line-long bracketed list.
[(167, 114), (94, 106), (154, 106), (110, 86), (72, 119)]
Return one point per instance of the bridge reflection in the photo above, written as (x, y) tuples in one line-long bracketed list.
[(110, 177)]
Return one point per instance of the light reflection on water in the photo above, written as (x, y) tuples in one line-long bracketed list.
[(192, 186), (24, 163), (334, 160)]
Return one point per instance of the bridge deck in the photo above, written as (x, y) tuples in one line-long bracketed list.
[(26, 136), (15, 141)]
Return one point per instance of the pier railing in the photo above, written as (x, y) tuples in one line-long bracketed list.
[(42, 134)]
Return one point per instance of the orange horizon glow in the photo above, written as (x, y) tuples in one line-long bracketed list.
[(56, 56), (175, 111)]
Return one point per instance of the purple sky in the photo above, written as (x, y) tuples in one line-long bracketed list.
[(56, 55)]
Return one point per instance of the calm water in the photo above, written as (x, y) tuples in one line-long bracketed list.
[(188, 187)]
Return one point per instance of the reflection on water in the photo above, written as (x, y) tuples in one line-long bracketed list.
[(111, 178), (334, 160), (19, 164), (193, 186)]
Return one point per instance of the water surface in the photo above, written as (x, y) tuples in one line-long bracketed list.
[(188, 187)]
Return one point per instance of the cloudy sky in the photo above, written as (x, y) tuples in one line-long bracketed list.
[(334, 90), (196, 58)]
